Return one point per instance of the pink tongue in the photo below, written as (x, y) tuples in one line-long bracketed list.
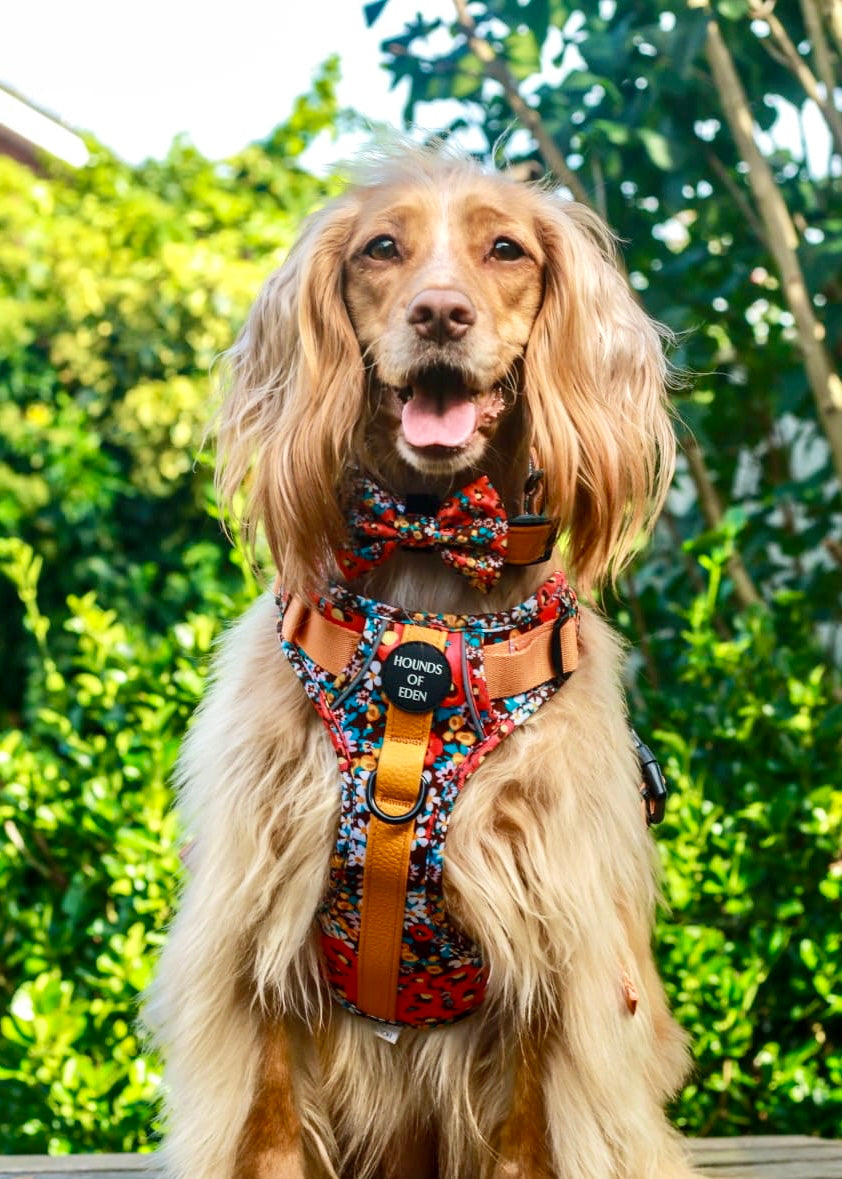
[(426, 423)]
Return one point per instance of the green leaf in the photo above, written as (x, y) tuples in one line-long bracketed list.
[(658, 148), (372, 12)]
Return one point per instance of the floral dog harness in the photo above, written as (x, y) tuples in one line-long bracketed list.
[(389, 950)]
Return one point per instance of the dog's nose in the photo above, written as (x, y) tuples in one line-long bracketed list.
[(441, 314)]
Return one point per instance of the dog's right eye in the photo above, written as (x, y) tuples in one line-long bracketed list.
[(382, 249), (506, 249)]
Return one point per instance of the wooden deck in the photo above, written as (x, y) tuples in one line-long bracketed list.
[(716, 1158)]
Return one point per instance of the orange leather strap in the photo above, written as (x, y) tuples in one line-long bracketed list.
[(527, 544), (388, 846)]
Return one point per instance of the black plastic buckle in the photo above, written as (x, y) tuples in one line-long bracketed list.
[(529, 520), (556, 653), (653, 786), (394, 820), (420, 504)]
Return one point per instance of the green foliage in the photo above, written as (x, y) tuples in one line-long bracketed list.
[(118, 287), (88, 869), (743, 699), (752, 869)]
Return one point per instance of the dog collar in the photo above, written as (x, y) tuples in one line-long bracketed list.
[(389, 950)]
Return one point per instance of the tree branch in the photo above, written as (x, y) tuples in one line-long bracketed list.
[(796, 64), (712, 509), (599, 198), (821, 50), (711, 506), (738, 197), (644, 639), (500, 72), (832, 10), (782, 239)]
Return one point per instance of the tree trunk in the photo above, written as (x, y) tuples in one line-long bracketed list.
[(713, 513), (781, 235), (499, 71)]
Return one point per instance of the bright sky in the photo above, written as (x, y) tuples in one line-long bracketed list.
[(225, 74), (137, 74)]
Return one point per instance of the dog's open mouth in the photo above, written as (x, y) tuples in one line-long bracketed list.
[(441, 409)]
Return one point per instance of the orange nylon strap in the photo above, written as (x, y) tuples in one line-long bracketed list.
[(510, 667), (325, 642), (399, 769), (526, 660)]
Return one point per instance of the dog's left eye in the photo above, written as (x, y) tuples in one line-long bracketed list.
[(505, 249), (382, 249)]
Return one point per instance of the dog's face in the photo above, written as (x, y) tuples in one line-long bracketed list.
[(434, 321), (442, 286)]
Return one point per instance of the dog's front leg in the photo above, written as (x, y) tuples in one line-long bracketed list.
[(270, 1145), (604, 1078), (522, 1148)]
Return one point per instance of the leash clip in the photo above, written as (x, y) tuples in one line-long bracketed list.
[(531, 488), (653, 787)]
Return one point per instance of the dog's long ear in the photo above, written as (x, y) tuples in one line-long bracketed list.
[(294, 402), (595, 385)]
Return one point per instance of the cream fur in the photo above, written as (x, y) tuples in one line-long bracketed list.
[(548, 863)]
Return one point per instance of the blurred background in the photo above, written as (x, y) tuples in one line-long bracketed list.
[(153, 170)]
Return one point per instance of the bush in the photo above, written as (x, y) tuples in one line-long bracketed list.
[(117, 287)]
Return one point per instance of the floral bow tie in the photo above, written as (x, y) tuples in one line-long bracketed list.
[(469, 531)]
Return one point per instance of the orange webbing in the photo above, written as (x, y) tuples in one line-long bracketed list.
[(399, 769), (510, 667), (325, 642), (525, 661)]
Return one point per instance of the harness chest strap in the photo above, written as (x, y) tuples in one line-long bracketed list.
[(510, 667)]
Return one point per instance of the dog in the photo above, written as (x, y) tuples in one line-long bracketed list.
[(437, 328)]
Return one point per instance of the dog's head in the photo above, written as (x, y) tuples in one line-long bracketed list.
[(433, 323)]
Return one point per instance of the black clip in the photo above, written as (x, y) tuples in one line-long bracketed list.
[(556, 653), (421, 504), (653, 786), (531, 488)]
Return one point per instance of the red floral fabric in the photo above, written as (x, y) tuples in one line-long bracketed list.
[(442, 976), (469, 531)]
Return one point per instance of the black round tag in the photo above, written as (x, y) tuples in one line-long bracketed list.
[(416, 677)]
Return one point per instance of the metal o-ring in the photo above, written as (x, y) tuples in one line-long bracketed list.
[(393, 820)]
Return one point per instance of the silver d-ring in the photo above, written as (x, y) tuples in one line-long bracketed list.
[(394, 820)]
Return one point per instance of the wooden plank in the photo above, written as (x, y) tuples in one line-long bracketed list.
[(770, 1170), (717, 1158), (754, 1140), (73, 1167), (56, 1173), (721, 1152), (78, 1166), (768, 1158)]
